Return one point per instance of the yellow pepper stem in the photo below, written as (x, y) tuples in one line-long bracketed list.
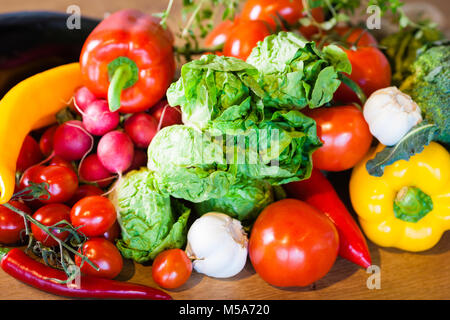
[(412, 204)]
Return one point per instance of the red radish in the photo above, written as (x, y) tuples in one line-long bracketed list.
[(141, 127), (83, 191), (71, 141), (83, 97), (116, 151), (139, 160), (46, 141), (92, 170), (97, 118), (166, 115), (30, 154)]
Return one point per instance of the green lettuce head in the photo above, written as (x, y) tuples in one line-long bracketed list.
[(244, 200), (189, 164), (151, 221)]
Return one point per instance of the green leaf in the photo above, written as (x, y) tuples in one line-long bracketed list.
[(150, 220), (413, 142)]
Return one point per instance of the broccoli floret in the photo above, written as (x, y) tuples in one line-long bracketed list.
[(429, 86)]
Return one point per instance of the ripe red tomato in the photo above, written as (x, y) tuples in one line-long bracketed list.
[(289, 10), (62, 183), (12, 224), (219, 34), (58, 161), (30, 154), (49, 215), (356, 36), (171, 268), (103, 254), (345, 135), (292, 244), (94, 215), (83, 191), (370, 70), (243, 37)]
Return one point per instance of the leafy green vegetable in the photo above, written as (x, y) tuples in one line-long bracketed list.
[(279, 149), (294, 73), (413, 142), (402, 47), (244, 200), (189, 164), (150, 220), (212, 87), (429, 87)]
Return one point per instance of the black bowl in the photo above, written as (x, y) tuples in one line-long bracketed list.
[(34, 41)]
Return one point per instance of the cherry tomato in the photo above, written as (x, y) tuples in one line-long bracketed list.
[(289, 10), (345, 136), (58, 161), (94, 215), (46, 141), (171, 268), (370, 70), (292, 244), (49, 215), (103, 254), (83, 191), (243, 37), (30, 154), (358, 37), (112, 233), (11, 223), (62, 183), (219, 34)]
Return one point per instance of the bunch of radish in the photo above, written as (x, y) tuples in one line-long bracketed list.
[(93, 149)]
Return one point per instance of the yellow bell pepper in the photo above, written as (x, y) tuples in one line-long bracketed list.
[(409, 206), (30, 105)]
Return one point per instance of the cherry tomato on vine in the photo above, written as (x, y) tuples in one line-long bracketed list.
[(290, 12), (94, 215), (345, 136), (62, 183), (243, 37), (49, 215), (292, 244), (171, 268), (370, 70), (103, 254), (12, 224)]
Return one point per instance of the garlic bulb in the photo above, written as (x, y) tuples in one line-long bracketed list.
[(218, 245), (390, 114)]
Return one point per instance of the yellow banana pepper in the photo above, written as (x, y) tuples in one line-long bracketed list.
[(30, 105), (409, 206)]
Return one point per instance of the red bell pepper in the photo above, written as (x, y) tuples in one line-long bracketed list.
[(23, 268), (128, 59), (319, 192)]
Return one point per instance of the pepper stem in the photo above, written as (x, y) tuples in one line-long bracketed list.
[(3, 252), (123, 73), (412, 204)]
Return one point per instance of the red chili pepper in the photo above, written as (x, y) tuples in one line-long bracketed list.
[(319, 192), (128, 58), (20, 266)]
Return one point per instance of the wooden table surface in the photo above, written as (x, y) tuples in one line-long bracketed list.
[(402, 275)]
